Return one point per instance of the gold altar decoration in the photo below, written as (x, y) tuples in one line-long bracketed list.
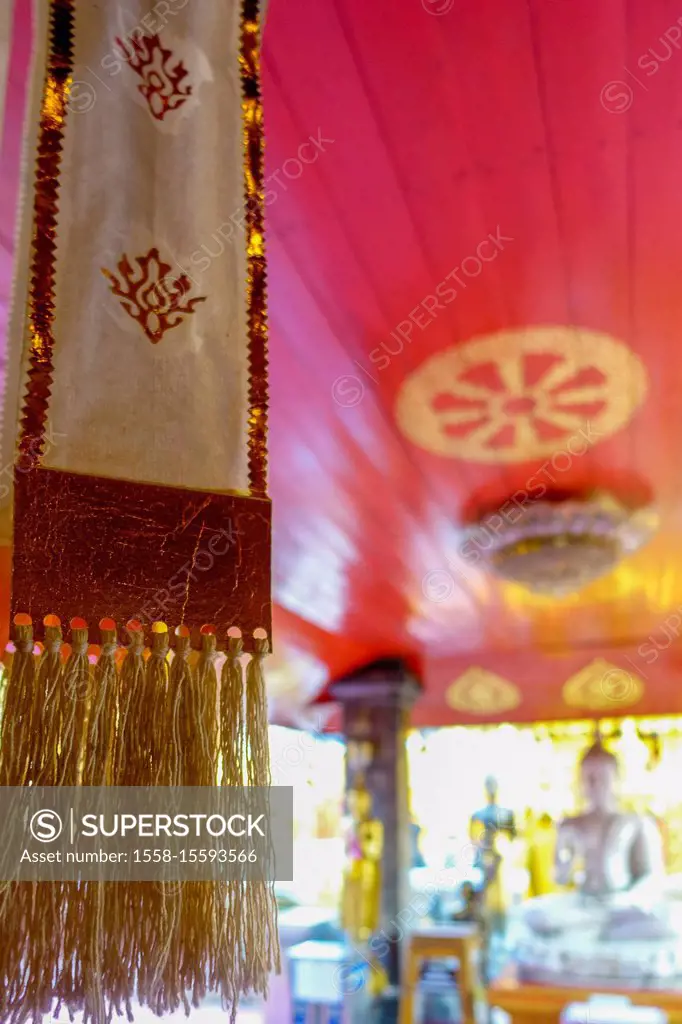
[(480, 692), (138, 372), (522, 394), (361, 901), (601, 686)]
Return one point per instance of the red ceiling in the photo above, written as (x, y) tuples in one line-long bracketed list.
[(439, 123)]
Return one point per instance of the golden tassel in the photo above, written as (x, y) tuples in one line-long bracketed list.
[(98, 763), (30, 923), (100, 956), (76, 690), (43, 901), (137, 756), (175, 980), (132, 757), (44, 920), (206, 701), (160, 987), (257, 744), (17, 752), (261, 906), (199, 718), (16, 755), (6, 671), (232, 715), (199, 746), (91, 943), (91, 946), (135, 901), (47, 707), (164, 759), (232, 938)]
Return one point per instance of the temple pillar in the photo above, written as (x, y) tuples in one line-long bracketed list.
[(376, 703)]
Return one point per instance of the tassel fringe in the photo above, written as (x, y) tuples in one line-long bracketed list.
[(152, 718)]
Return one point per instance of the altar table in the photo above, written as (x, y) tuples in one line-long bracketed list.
[(543, 1004)]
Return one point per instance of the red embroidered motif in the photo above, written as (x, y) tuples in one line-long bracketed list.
[(162, 85), (150, 295)]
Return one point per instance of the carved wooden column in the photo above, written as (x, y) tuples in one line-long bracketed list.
[(376, 703)]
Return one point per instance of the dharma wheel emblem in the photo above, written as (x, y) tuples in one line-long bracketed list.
[(521, 394), (479, 692)]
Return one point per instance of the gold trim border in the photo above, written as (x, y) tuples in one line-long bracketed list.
[(40, 311), (254, 197)]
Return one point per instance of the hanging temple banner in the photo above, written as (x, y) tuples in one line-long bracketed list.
[(137, 369), (135, 414)]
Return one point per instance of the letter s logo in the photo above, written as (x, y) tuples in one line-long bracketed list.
[(46, 826)]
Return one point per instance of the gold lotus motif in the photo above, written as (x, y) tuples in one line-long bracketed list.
[(521, 394), (479, 692), (601, 686)]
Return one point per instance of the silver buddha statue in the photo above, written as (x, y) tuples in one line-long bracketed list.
[(616, 925)]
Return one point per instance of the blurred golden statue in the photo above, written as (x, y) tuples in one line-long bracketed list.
[(541, 840), (362, 878), (493, 833)]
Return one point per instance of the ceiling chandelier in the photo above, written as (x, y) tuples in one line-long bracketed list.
[(556, 547)]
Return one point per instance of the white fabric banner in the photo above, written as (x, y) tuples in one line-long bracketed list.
[(150, 354)]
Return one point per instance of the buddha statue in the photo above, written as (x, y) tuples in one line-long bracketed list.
[(362, 877), (617, 854), (616, 924)]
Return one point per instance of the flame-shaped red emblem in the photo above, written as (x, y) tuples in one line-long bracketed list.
[(163, 83), (151, 295)]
